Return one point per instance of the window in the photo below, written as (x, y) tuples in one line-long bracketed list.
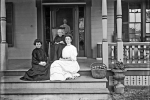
[(9, 24), (134, 22), (148, 20)]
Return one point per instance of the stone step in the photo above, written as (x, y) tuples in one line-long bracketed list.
[(56, 94), (14, 82)]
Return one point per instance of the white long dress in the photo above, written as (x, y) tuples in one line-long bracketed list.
[(61, 70)]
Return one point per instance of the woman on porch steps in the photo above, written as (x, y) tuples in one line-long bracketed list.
[(40, 68), (67, 66)]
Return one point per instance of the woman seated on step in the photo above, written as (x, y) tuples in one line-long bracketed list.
[(67, 66), (40, 68)]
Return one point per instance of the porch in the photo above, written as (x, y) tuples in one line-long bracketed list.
[(135, 54), (82, 87), (138, 74), (136, 77)]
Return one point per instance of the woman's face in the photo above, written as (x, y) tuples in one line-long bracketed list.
[(38, 45), (68, 40), (65, 21), (60, 32)]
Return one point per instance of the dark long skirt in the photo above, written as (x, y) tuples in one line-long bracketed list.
[(37, 73)]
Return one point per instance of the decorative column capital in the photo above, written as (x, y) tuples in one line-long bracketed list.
[(104, 20), (119, 16), (104, 16), (2, 18), (3, 21), (119, 21)]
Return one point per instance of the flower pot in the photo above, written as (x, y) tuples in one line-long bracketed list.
[(119, 88), (119, 74)]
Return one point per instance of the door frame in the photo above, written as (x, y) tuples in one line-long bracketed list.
[(40, 23)]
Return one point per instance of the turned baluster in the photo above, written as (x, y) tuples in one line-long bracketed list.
[(133, 54), (127, 54), (145, 54), (139, 56), (112, 54), (148, 54)]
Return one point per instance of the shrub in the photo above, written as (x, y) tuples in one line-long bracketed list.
[(132, 94)]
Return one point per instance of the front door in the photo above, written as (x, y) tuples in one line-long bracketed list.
[(74, 14)]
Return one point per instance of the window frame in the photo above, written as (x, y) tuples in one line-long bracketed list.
[(9, 24), (125, 21)]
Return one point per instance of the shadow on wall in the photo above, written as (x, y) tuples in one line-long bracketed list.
[(94, 52)]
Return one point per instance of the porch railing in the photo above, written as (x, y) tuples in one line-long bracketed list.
[(134, 52)]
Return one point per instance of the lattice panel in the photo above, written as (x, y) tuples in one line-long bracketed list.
[(145, 80), (132, 81), (139, 80), (127, 80)]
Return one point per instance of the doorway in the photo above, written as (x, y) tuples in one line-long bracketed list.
[(75, 15)]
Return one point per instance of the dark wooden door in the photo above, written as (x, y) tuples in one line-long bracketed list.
[(74, 15)]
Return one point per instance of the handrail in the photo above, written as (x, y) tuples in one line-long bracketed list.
[(112, 44), (136, 43), (133, 52), (129, 43)]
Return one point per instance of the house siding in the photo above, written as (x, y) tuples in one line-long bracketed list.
[(96, 23), (25, 29)]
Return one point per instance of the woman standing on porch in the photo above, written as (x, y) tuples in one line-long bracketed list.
[(67, 27), (67, 66)]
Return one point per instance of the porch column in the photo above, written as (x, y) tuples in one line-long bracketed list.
[(104, 29), (3, 37), (119, 32), (143, 20)]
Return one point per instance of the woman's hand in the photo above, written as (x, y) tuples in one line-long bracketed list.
[(56, 43), (42, 63), (65, 59), (62, 42)]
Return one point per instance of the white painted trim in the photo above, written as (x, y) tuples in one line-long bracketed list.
[(68, 3), (99, 59), (132, 81), (140, 69), (81, 57), (99, 42), (105, 53)]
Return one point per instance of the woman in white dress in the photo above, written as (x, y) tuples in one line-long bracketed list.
[(67, 66)]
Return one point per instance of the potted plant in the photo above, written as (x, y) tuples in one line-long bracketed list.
[(119, 74)]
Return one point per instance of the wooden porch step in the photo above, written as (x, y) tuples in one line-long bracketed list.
[(40, 91), (14, 82), (56, 94), (22, 72), (82, 87)]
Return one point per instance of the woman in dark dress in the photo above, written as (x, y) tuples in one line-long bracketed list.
[(59, 44), (40, 67)]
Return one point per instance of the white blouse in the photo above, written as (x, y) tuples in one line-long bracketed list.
[(70, 51)]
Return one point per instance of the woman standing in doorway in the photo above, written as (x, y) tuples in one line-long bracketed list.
[(65, 26)]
